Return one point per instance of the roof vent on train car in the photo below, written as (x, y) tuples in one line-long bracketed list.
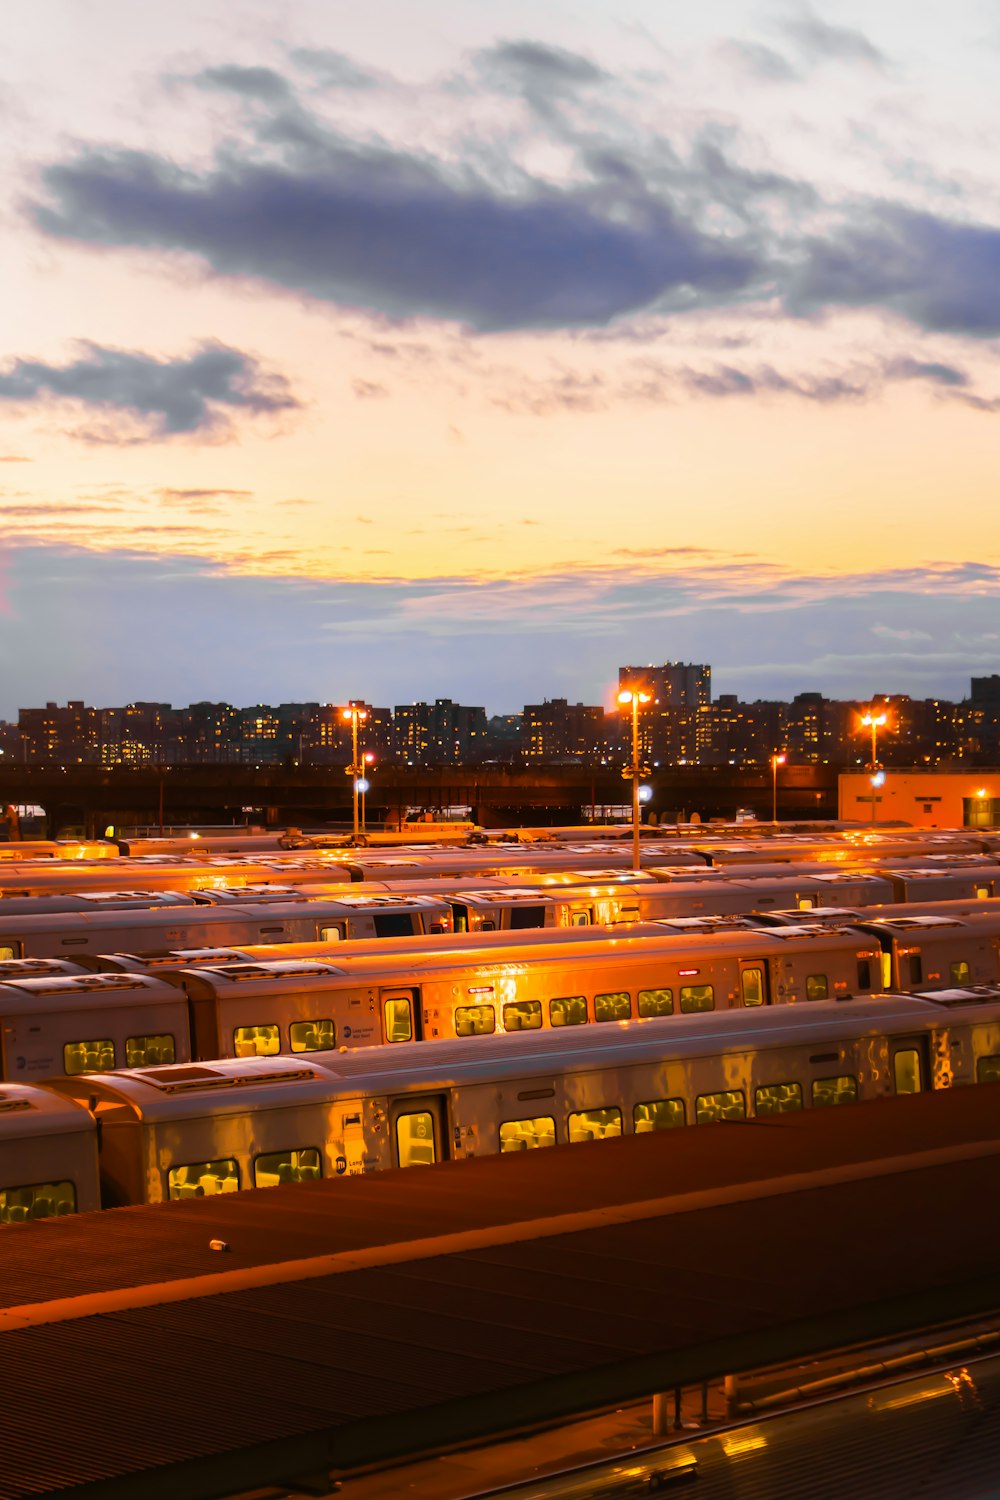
[(281, 968), (184, 1080), (9, 1103), (974, 994), (63, 984)]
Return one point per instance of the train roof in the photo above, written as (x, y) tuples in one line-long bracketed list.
[(233, 1086), (82, 992), (28, 1112)]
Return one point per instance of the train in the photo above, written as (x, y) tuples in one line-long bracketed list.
[(233, 1003), (187, 1131), (58, 923)]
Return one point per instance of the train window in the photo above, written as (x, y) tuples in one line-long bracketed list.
[(398, 1021), (658, 1114), (864, 974), (916, 969), (278, 1167), (817, 987), (752, 982), (527, 916), (806, 903), (331, 934), (697, 997), (594, 1124), (475, 1020), (526, 1135), (656, 1002), (256, 1041), (960, 972), (6, 951), (522, 1015), (777, 1098), (727, 1104), (313, 1036), (906, 1071), (580, 919), (204, 1179), (616, 1006), (437, 927), (89, 1057), (149, 1051), (830, 1091), (488, 926), (390, 924), (988, 1069), (42, 1200), (983, 892), (415, 1139), (571, 1010)]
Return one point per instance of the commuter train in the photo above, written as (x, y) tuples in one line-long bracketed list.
[(136, 921), (163, 1133)]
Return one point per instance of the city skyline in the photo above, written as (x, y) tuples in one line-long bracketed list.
[(452, 349)]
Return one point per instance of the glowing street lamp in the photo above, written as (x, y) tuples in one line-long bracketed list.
[(873, 721), (356, 716), (635, 696), (777, 759)]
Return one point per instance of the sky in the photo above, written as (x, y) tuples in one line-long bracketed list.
[(438, 348)]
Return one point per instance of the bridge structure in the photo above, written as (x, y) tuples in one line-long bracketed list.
[(86, 799)]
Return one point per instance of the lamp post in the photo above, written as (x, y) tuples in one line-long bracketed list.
[(873, 721), (777, 759), (367, 760), (356, 716), (635, 696)]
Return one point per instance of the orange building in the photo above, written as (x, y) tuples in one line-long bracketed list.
[(925, 799)]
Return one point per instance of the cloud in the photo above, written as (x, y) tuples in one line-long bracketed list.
[(261, 84), (333, 70), (938, 273), (162, 398), (765, 631), (756, 61), (819, 42), (369, 390), (544, 76), (368, 227)]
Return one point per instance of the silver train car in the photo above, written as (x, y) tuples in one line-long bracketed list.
[(85, 1023), (48, 1156), (184, 1132), (66, 934)]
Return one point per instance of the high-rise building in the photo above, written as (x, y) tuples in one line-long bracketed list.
[(558, 730), (676, 684)]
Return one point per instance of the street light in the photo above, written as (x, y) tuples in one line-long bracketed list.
[(367, 761), (873, 721), (777, 759), (356, 716), (635, 696)]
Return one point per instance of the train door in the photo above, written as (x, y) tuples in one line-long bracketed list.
[(418, 1127), (753, 984), (459, 916), (909, 1061), (401, 1018)]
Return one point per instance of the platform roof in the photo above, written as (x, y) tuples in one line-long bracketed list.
[(364, 1317)]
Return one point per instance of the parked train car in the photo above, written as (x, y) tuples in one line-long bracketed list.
[(85, 1023), (370, 997), (48, 1156), (296, 920), (176, 1133)]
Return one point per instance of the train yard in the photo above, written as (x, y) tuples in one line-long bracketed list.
[(186, 1025)]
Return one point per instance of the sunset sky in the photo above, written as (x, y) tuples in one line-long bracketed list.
[(446, 348)]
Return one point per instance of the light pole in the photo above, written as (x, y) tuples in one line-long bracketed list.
[(777, 759), (873, 721), (367, 760), (635, 696), (357, 716)]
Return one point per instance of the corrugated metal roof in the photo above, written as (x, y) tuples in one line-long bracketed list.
[(262, 1381)]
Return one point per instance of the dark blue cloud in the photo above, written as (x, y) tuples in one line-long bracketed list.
[(940, 274), (262, 84), (372, 228), (161, 397)]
